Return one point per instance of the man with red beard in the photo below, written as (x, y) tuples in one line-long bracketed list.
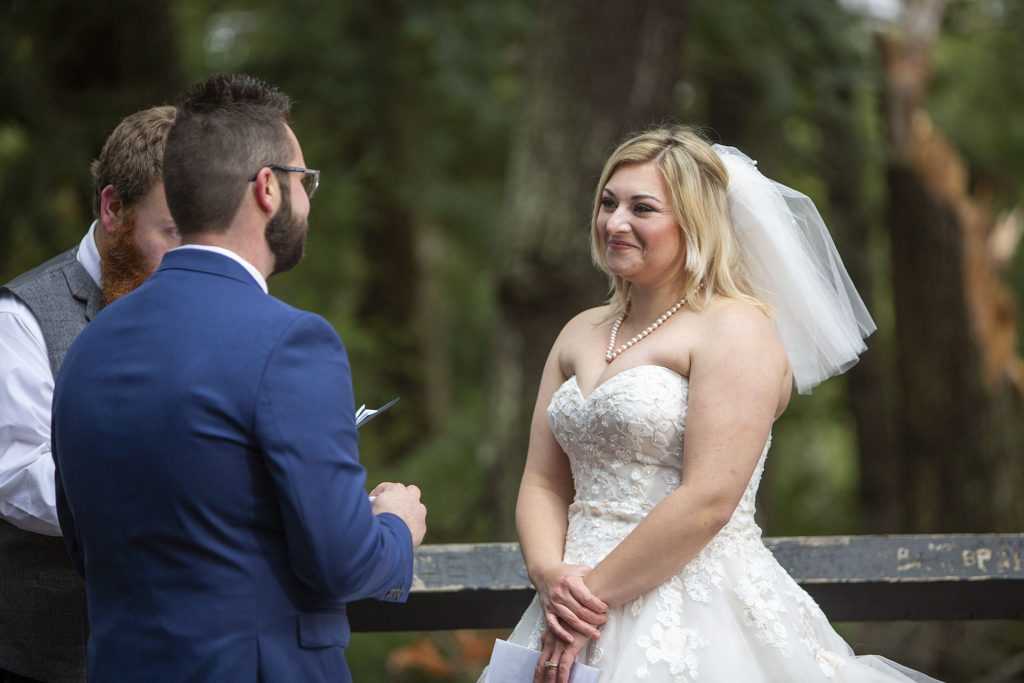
[(42, 599)]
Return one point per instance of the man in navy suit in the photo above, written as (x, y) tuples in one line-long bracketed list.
[(208, 480)]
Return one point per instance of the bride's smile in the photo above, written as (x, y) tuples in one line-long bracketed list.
[(643, 243)]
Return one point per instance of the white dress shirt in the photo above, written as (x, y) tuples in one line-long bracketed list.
[(27, 495)]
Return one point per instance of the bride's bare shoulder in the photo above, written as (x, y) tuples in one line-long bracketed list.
[(738, 345), (579, 337), (585, 322), (737, 322)]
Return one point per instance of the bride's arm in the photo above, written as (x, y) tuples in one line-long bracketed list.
[(542, 507), (738, 385)]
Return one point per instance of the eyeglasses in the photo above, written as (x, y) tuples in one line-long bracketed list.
[(310, 177)]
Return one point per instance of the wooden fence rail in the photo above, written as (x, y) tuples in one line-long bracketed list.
[(853, 578)]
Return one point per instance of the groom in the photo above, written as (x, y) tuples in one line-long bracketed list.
[(208, 481)]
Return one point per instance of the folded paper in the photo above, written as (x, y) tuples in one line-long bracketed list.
[(512, 663)]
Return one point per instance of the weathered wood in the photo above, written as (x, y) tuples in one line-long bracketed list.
[(454, 586), (909, 577), (853, 578)]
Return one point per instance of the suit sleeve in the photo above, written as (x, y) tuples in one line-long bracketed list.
[(63, 510), (67, 526), (306, 428)]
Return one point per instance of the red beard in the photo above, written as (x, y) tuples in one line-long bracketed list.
[(122, 265)]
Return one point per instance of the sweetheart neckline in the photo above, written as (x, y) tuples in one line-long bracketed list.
[(619, 374)]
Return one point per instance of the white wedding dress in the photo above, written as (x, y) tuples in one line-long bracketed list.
[(733, 614)]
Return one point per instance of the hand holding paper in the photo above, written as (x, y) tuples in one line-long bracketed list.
[(512, 663), (404, 501)]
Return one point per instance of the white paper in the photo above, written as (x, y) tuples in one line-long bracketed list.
[(512, 663), (364, 414)]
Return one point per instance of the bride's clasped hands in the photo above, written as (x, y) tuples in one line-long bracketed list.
[(566, 599), (572, 613)]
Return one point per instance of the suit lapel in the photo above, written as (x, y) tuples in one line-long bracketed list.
[(84, 289), (95, 301)]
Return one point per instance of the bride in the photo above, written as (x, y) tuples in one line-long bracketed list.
[(652, 423)]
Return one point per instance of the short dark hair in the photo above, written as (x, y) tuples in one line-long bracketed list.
[(132, 157), (227, 128)]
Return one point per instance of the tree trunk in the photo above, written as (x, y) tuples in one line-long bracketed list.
[(961, 419), (868, 391), (598, 69)]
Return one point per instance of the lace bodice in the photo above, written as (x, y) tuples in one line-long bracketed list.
[(625, 444)]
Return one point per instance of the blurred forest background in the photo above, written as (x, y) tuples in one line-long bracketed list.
[(460, 141)]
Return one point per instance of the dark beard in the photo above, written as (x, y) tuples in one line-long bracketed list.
[(286, 236), (122, 266)]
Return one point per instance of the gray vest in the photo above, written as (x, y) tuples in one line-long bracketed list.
[(43, 625)]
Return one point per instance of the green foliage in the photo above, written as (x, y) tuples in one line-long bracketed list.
[(792, 62), (810, 482), (976, 102), (979, 72), (70, 72)]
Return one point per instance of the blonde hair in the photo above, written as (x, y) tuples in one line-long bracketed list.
[(697, 181)]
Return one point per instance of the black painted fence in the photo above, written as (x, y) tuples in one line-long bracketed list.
[(853, 578)]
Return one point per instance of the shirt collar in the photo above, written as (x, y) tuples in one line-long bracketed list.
[(89, 255), (256, 275)]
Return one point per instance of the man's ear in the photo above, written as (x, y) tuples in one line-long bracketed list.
[(267, 190), (111, 207)]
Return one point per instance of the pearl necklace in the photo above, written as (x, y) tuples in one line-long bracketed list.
[(613, 352)]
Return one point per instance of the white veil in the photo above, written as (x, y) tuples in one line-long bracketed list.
[(795, 269)]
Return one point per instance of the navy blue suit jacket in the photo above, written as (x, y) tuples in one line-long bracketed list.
[(209, 487)]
